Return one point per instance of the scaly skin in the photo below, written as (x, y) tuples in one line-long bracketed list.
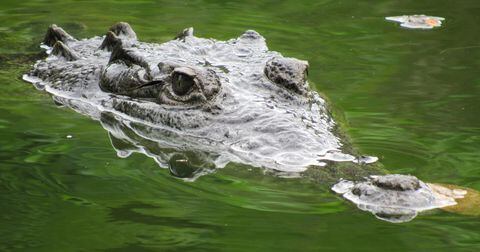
[(233, 99), (225, 101)]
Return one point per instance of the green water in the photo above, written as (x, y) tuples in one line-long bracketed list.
[(410, 97)]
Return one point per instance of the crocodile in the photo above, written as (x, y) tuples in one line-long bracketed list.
[(196, 104)]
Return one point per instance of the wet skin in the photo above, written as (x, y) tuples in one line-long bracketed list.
[(234, 101)]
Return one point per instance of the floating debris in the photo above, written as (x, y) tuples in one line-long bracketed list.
[(69, 136), (417, 21)]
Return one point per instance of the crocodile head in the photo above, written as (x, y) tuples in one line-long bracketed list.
[(235, 100)]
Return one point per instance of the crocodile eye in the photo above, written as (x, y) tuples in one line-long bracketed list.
[(188, 85), (182, 83)]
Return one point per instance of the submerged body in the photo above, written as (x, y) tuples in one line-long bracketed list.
[(225, 101), (397, 198)]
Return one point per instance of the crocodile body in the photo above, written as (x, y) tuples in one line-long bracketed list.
[(197, 102)]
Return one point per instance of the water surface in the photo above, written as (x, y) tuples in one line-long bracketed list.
[(409, 97)]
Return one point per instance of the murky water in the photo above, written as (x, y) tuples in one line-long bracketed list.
[(410, 97)]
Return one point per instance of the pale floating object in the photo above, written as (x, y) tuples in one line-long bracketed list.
[(468, 200), (69, 136), (417, 21)]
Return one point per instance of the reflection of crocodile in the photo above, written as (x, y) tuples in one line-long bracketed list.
[(214, 102)]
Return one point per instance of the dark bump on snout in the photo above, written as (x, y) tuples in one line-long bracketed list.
[(397, 182), (288, 72)]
